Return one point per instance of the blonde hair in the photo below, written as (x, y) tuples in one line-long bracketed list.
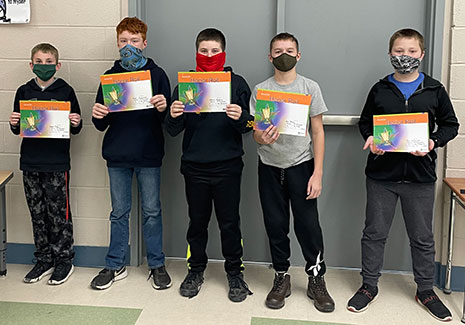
[(45, 48)]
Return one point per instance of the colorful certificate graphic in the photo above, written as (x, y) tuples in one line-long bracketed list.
[(44, 119), (127, 91), (204, 92), (287, 111), (401, 132)]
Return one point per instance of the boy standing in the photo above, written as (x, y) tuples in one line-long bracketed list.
[(408, 176), (134, 143), (289, 171), (212, 166), (45, 163)]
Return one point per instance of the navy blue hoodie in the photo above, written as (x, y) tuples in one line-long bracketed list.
[(135, 138), (43, 154)]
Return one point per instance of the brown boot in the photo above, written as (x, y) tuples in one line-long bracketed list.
[(281, 290), (316, 291)]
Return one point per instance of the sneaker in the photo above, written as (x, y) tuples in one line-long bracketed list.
[(106, 277), (191, 285), (160, 277), (362, 298), (281, 290), (39, 270), (238, 289), (62, 272), (316, 290), (434, 305)]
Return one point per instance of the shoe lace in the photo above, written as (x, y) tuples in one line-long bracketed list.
[(428, 297), (158, 270), (236, 282), (319, 285), (278, 282), (191, 278), (60, 267)]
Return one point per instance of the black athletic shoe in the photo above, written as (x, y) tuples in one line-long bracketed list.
[(39, 270), (62, 272), (238, 289), (434, 305), (191, 285), (106, 277), (160, 278), (362, 298)]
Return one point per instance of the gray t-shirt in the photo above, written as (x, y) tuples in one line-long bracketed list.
[(290, 150)]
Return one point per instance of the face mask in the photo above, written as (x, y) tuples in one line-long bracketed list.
[(404, 64), (132, 58), (44, 71), (210, 63), (284, 62)]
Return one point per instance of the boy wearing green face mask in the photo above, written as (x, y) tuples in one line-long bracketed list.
[(45, 163)]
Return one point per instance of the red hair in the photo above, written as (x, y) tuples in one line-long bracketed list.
[(133, 25)]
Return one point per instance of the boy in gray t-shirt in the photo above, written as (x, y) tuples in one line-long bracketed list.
[(290, 171)]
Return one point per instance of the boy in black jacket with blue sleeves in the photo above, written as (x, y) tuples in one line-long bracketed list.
[(134, 143)]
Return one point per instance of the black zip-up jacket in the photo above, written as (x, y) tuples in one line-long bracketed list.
[(386, 98), (44, 154), (213, 141), (135, 138)]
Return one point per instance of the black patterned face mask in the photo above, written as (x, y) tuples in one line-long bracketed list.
[(404, 64)]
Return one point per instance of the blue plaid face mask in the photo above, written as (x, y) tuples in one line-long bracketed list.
[(132, 58)]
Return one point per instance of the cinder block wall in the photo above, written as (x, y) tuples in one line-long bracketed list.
[(84, 33), (455, 155)]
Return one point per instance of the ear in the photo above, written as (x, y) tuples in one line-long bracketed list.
[(58, 66), (298, 56), (270, 58), (31, 65), (144, 44), (422, 55)]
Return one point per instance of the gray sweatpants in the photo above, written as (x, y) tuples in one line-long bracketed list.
[(417, 201)]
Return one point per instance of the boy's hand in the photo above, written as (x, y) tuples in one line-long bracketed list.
[(314, 187), (14, 118), (99, 111), (176, 109), (75, 119), (373, 149), (270, 135), (420, 153), (159, 101), (233, 111)]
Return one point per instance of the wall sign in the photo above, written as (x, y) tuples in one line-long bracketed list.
[(15, 11)]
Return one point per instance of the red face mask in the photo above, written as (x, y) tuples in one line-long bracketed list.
[(212, 63)]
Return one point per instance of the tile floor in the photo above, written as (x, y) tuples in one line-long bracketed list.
[(395, 304)]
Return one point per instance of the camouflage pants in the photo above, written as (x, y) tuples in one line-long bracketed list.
[(48, 201)]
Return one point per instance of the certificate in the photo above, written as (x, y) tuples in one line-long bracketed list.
[(401, 132), (204, 92), (287, 111), (127, 91), (44, 119)]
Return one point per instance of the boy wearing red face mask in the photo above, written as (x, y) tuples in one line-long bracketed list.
[(212, 166)]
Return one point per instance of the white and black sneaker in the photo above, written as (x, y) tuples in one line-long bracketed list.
[(106, 277), (62, 272), (40, 270), (160, 278)]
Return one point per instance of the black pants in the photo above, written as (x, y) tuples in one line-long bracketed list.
[(279, 187), (224, 192), (48, 201)]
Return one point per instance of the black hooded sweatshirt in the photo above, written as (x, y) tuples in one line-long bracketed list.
[(135, 138), (44, 154), (386, 98)]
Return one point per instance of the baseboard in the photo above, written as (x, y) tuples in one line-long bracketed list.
[(457, 282), (85, 256)]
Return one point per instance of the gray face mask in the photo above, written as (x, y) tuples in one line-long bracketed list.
[(404, 64), (284, 62)]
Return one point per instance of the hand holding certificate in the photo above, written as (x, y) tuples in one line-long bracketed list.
[(44, 119), (127, 91), (287, 111), (204, 92), (401, 132)]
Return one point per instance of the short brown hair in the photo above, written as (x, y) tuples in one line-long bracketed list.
[(45, 48), (133, 25), (407, 33), (211, 34), (284, 37)]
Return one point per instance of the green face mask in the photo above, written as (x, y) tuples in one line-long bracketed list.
[(284, 62), (44, 71)]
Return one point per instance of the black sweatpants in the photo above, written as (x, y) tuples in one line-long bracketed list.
[(48, 201), (279, 187), (224, 192)]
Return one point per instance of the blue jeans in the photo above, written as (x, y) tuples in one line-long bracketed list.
[(148, 180)]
